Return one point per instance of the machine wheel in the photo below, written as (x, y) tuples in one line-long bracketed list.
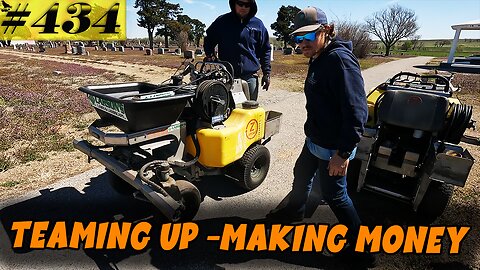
[(191, 199), (435, 200), (118, 184), (253, 167)]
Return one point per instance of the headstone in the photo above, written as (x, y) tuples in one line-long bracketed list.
[(41, 48), (1, 45), (132, 48), (189, 54), (14, 46), (298, 50), (148, 51), (178, 51), (95, 48), (114, 49), (104, 49), (81, 49), (142, 48), (271, 52), (198, 52), (161, 51), (110, 46), (87, 53), (122, 49), (74, 50), (52, 45), (68, 48), (288, 51)]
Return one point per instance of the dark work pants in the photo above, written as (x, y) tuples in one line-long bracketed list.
[(334, 191)]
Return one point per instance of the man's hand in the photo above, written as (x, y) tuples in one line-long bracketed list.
[(266, 81), (337, 166)]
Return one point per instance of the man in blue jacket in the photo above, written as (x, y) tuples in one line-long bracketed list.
[(243, 41), (336, 114)]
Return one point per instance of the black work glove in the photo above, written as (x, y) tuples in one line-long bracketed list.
[(266, 81)]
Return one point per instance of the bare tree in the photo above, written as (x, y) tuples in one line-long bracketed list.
[(415, 41), (358, 35), (392, 24)]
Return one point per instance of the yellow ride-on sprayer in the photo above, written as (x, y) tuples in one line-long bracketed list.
[(409, 150), (167, 136)]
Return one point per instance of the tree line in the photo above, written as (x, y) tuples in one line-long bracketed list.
[(162, 18), (165, 19)]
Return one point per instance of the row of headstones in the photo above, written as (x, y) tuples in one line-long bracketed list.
[(39, 45), (290, 51), (30, 48), (178, 51), (76, 49)]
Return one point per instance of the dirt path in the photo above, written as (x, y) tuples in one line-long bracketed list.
[(145, 73)]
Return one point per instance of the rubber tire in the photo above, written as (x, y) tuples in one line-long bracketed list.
[(118, 184), (191, 199), (436, 199), (253, 167)]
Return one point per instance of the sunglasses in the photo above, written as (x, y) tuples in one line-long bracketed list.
[(243, 4), (308, 37)]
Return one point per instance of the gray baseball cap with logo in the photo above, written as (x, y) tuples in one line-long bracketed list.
[(309, 19)]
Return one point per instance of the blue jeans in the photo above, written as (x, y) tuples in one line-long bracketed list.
[(333, 188), (252, 86)]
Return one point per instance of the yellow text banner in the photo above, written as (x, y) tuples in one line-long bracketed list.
[(63, 20)]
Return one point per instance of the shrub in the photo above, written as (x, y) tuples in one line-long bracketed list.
[(358, 35)]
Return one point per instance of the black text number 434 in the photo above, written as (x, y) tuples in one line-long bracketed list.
[(79, 11)]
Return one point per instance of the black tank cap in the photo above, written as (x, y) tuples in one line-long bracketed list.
[(250, 104)]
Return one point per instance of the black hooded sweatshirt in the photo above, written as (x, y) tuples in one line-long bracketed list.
[(244, 44), (336, 104)]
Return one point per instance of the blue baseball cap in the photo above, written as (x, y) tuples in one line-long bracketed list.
[(309, 19)]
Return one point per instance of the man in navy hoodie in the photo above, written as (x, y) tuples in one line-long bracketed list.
[(243, 41), (336, 114)]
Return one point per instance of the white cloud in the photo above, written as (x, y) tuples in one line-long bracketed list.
[(210, 6)]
